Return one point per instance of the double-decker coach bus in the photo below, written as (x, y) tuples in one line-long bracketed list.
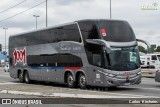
[(85, 53)]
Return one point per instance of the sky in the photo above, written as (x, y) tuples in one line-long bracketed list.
[(139, 13)]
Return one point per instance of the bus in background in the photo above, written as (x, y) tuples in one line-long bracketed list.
[(150, 64), (150, 60), (85, 53)]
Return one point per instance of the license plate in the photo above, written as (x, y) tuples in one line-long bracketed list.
[(127, 84)]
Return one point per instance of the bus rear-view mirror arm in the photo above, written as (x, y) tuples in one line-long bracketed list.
[(147, 43), (100, 42)]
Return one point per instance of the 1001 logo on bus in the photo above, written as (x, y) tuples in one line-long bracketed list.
[(19, 56)]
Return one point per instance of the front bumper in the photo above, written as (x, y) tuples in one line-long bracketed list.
[(113, 81)]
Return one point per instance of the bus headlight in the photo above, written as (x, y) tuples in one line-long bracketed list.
[(111, 75), (139, 73)]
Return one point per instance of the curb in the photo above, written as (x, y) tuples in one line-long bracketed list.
[(65, 95)]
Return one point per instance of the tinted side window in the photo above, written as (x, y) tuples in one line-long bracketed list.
[(89, 30), (94, 54), (19, 41), (154, 57), (63, 33), (97, 59), (71, 33), (64, 60), (57, 34), (69, 60), (43, 60)]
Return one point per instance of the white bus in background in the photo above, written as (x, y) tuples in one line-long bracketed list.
[(150, 60), (144, 60)]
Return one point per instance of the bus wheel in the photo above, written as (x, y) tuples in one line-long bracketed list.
[(82, 81), (21, 77), (70, 80), (26, 78)]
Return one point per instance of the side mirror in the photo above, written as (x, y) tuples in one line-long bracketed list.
[(107, 49), (147, 43)]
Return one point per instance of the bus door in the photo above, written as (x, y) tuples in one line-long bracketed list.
[(98, 66)]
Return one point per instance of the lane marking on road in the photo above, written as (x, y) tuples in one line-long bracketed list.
[(145, 88), (7, 83), (71, 95), (4, 74), (124, 94), (149, 88), (147, 79)]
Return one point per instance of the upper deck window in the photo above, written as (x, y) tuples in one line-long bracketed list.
[(69, 33), (89, 30)]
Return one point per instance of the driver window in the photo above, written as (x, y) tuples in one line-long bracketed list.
[(97, 59)]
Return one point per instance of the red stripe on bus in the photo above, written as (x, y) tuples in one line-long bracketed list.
[(72, 68)]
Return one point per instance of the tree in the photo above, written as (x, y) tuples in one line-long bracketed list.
[(142, 49), (158, 49), (153, 48)]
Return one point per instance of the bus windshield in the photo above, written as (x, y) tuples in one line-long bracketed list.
[(123, 59)]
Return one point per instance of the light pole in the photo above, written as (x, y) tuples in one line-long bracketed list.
[(110, 11), (46, 14), (5, 42), (36, 16)]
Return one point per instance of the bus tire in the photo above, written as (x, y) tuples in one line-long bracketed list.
[(82, 81), (26, 78), (70, 81), (21, 76)]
